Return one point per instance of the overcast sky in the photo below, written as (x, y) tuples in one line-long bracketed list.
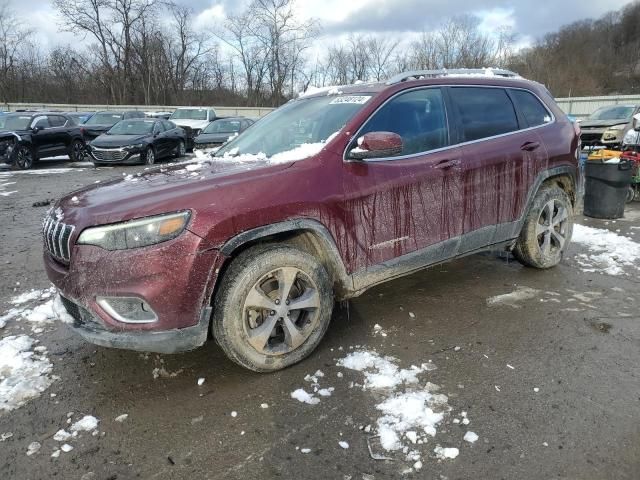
[(530, 19)]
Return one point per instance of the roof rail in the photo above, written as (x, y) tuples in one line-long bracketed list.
[(444, 72)]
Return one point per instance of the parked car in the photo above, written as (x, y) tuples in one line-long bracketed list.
[(161, 115), (100, 122), (79, 117), (323, 198), (138, 141), (28, 137), (220, 131), (607, 126), (193, 120)]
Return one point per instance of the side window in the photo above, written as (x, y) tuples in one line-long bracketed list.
[(418, 116), (531, 108), (483, 112), (168, 125), (40, 122), (57, 121), (212, 115), (158, 128)]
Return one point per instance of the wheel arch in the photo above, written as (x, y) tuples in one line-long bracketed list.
[(308, 235)]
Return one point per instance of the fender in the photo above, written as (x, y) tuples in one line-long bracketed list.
[(343, 280)]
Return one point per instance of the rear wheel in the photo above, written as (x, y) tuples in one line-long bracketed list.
[(77, 151), (181, 151), (273, 308), (23, 158), (547, 230), (631, 194), (149, 156)]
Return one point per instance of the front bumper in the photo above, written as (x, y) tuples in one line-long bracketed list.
[(175, 278), (116, 155), (167, 341)]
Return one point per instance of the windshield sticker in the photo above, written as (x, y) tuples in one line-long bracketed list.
[(357, 99)]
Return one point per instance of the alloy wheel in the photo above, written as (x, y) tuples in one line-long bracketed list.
[(77, 151), (281, 311), (551, 229), (182, 151), (149, 156), (24, 158)]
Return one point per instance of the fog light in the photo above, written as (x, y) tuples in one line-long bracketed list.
[(128, 309)]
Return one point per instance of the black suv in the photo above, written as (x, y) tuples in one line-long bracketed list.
[(100, 122), (27, 137)]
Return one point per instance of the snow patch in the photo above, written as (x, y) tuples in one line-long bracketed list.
[(85, 424), (24, 373), (444, 453), (609, 253), (470, 437), (512, 299), (303, 396)]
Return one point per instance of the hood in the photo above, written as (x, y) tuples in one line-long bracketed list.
[(109, 141), (213, 137), (163, 190), (603, 123), (193, 124)]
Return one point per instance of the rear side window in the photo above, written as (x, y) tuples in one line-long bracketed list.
[(168, 125), (57, 120), (418, 116), (483, 112), (531, 108)]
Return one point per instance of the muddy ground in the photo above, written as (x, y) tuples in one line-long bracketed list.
[(577, 341)]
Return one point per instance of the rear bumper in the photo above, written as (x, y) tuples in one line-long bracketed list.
[(167, 341)]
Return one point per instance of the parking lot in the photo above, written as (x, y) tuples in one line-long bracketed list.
[(541, 365)]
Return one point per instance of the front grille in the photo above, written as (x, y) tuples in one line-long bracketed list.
[(108, 155), (57, 238), (589, 138), (81, 316)]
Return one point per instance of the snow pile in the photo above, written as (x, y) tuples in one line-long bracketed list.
[(301, 152), (512, 299), (40, 314), (24, 374), (608, 253), (312, 90)]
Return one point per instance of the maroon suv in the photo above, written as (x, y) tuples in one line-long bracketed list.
[(325, 197)]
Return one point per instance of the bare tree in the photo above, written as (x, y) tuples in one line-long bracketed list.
[(14, 36)]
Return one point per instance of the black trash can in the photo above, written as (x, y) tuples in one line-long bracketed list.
[(606, 186)]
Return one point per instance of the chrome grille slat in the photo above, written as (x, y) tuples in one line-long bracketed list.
[(57, 238), (107, 155)]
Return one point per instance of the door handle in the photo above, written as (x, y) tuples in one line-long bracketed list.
[(530, 146), (448, 163)]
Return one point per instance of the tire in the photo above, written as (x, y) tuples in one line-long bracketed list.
[(631, 194), (149, 156), (77, 151), (241, 330), (542, 244), (24, 158), (181, 151)]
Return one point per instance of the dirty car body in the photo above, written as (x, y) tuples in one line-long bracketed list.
[(456, 186)]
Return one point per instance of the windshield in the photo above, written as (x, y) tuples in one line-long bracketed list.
[(190, 114), (104, 118), (618, 112), (223, 126), (15, 122), (132, 127), (307, 121)]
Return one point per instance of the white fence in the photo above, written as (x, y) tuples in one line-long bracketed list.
[(251, 112), (580, 107)]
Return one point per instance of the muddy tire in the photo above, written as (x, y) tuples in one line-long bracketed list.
[(149, 156), (77, 151), (273, 307), (547, 229), (181, 151)]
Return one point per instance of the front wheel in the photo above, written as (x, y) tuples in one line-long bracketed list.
[(547, 229), (149, 156), (23, 159), (273, 307)]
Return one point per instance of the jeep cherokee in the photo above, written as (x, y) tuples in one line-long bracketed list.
[(325, 197)]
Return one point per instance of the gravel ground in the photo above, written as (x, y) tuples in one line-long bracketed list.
[(549, 381)]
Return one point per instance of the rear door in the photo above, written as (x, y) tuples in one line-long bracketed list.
[(43, 140), (501, 156), (173, 135), (61, 134), (406, 203)]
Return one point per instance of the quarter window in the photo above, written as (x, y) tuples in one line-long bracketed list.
[(418, 116), (483, 112), (533, 111)]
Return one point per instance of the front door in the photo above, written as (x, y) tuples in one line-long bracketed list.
[(402, 205)]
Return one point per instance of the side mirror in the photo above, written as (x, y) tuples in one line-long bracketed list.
[(636, 122), (377, 145)]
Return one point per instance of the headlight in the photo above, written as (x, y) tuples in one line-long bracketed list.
[(136, 233), (136, 146), (618, 127)]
